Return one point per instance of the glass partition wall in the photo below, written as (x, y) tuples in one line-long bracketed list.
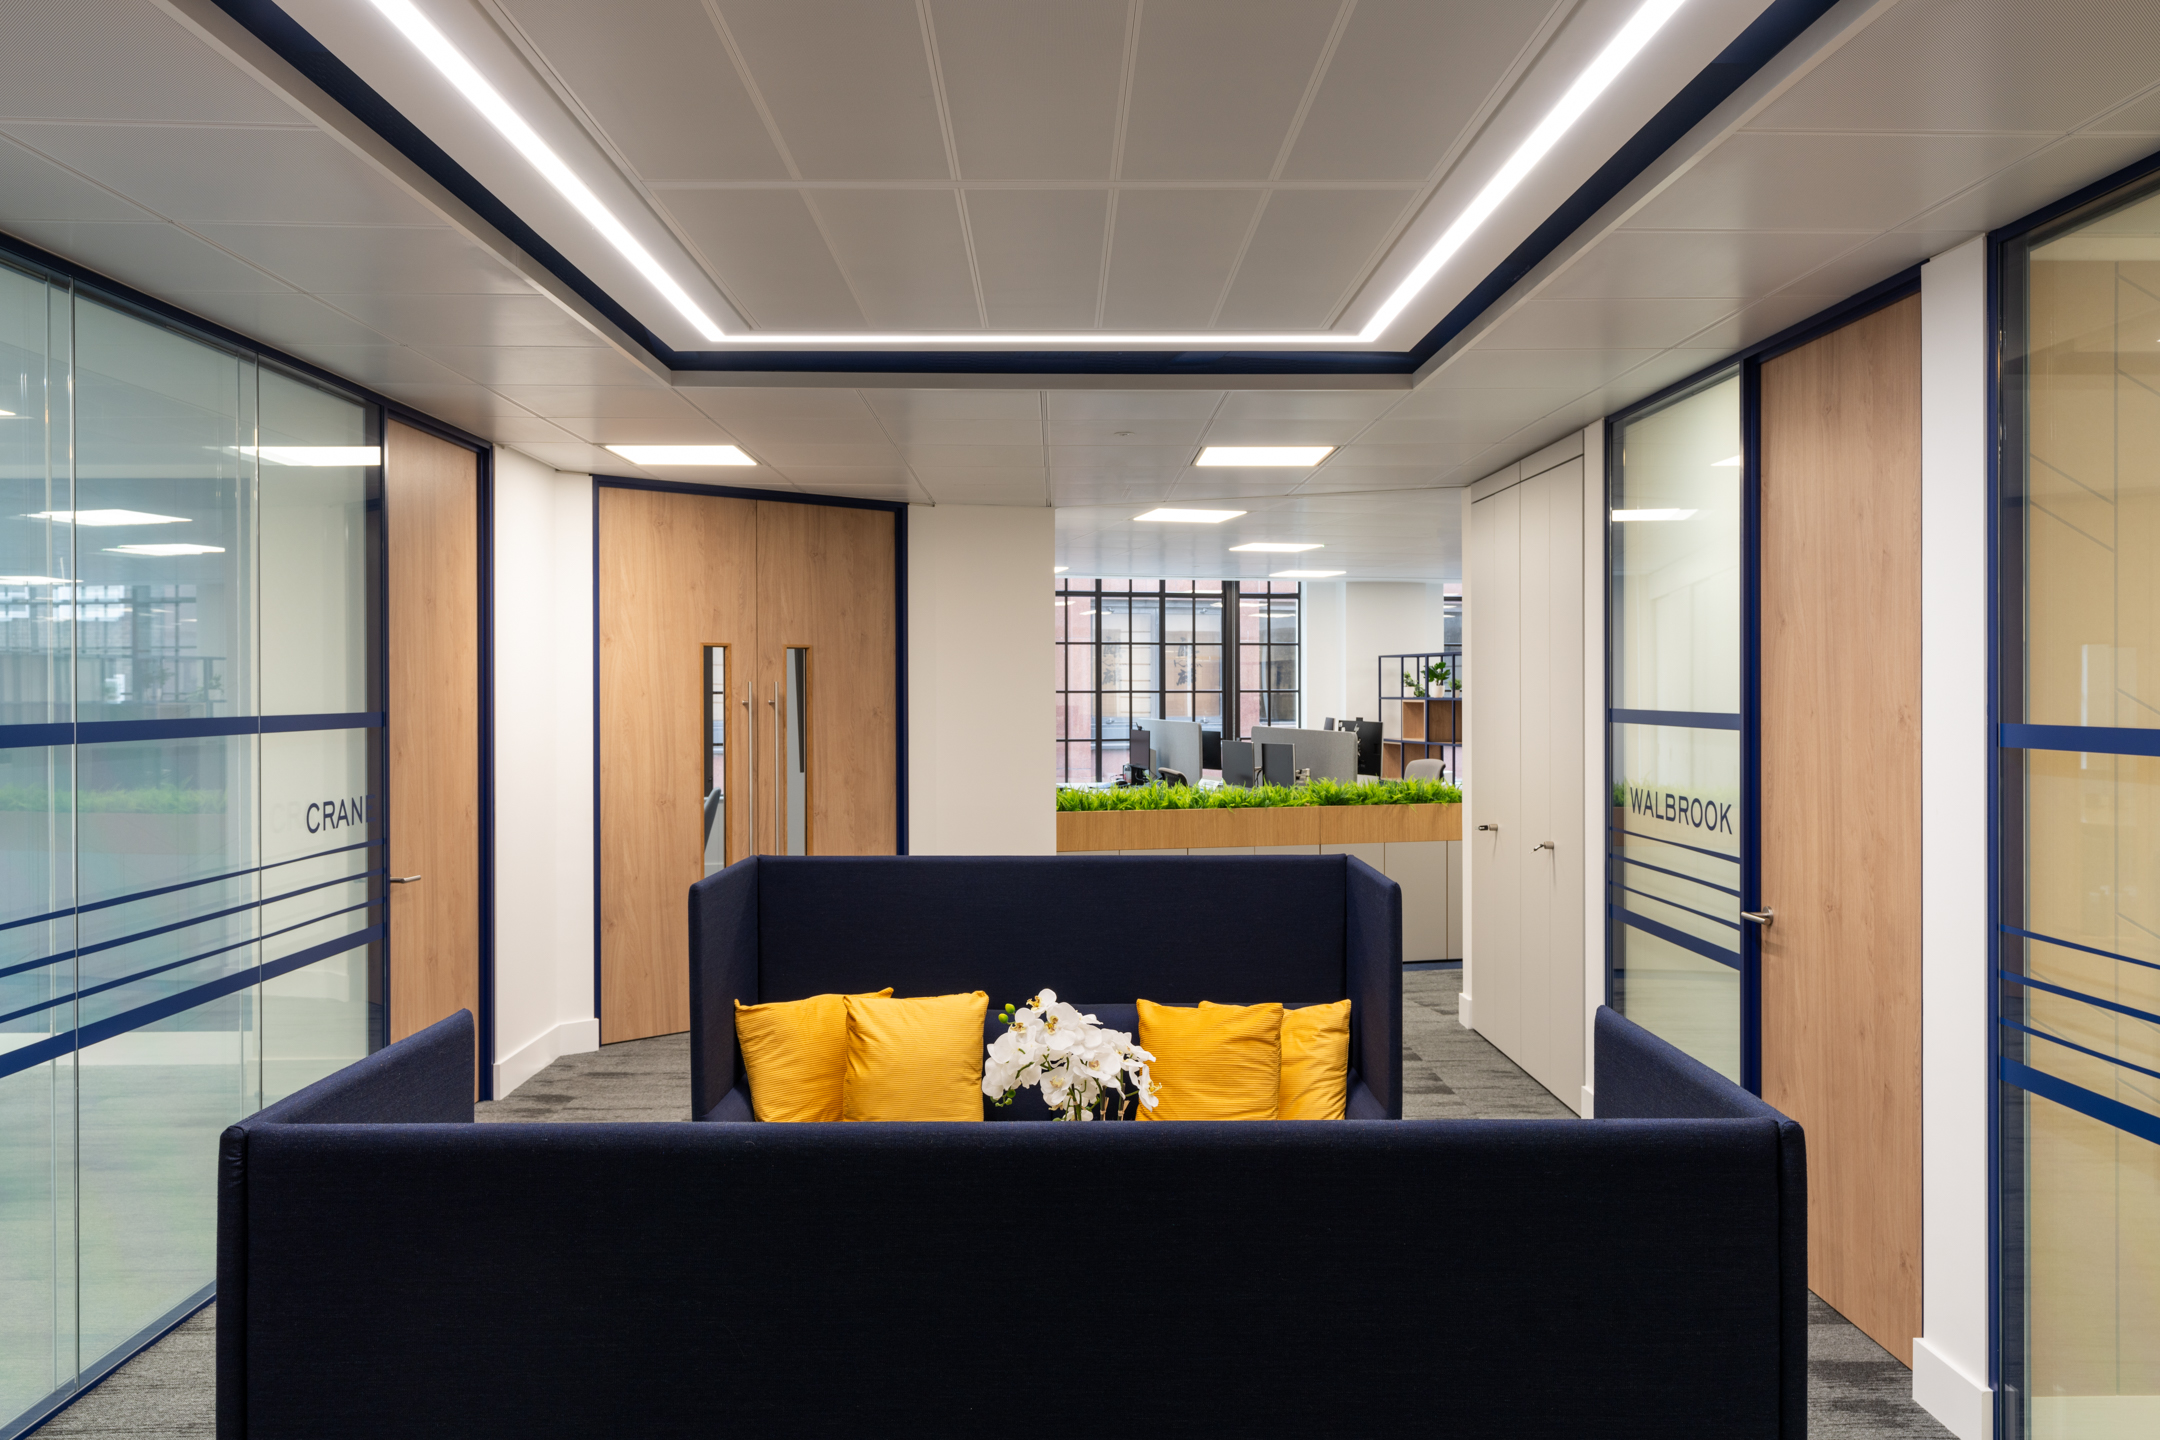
[(189, 816), (1673, 849), (2078, 939)]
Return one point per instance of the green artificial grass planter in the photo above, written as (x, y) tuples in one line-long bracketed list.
[(1261, 797)]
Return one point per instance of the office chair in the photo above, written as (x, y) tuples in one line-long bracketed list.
[(1171, 777), (1424, 770)]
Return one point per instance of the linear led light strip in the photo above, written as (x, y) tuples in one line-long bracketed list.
[(1593, 82)]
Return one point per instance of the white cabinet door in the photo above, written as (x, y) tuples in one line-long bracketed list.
[(1493, 754), (1553, 880)]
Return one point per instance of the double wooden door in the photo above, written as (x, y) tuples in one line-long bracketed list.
[(780, 620), (1840, 820)]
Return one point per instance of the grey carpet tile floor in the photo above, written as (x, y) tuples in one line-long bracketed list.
[(1856, 1389)]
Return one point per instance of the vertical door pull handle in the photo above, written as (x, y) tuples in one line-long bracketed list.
[(750, 765), (778, 790), (1761, 917)]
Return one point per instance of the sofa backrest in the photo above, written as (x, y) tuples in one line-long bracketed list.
[(425, 1078), (1107, 928), (1265, 1279)]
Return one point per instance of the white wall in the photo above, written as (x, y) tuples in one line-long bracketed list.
[(543, 768), (982, 692), (1950, 1362), (1349, 625)]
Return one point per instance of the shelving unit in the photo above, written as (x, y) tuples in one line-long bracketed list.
[(1417, 723)]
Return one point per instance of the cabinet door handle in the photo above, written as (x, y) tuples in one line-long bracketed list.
[(1761, 917), (1494, 828), (403, 879), (1543, 845)]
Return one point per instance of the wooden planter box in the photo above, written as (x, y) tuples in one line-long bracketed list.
[(1097, 830)]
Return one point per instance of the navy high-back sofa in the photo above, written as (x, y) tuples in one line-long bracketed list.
[(383, 1273), (1101, 930)]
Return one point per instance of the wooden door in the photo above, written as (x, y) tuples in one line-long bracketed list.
[(677, 573), (1841, 802), (825, 583), (1492, 621), (431, 511), (1552, 780)]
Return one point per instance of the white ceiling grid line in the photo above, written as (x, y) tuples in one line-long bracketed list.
[(1128, 64), (952, 154)]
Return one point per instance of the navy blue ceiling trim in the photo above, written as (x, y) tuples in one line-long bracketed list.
[(1780, 23)]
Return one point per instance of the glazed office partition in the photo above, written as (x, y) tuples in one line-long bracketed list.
[(780, 616)]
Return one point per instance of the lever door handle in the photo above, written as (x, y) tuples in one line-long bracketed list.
[(1761, 917), (1543, 845), (1494, 828), (403, 879)]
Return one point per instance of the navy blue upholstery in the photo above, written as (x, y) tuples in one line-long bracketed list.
[(424, 1079), (1104, 929), (1641, 1077)]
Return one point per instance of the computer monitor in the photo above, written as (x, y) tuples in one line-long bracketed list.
[(1368, 744), (1139, 751), (1278, 763), (1237, 762), (1211, 749), (1328, 724)]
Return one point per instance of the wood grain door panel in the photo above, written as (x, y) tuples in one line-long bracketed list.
[(1840, 819), (431, 512), (677, 573)]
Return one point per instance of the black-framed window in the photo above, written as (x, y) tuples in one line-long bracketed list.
[(1133, 650)]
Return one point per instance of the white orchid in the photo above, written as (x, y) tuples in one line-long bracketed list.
[(1085, 1072)]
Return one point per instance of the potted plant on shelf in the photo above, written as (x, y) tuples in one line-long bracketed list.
[(1437, 679)]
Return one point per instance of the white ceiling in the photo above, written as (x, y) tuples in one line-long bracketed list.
[(139, 138)]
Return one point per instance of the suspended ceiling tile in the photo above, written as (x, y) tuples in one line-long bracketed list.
[(1245, 430), (1040, 255), (915, 414), (986, 487), (1489, 369), (1127, 432), (120, 60), (574, 458), (1437, 399), (796, 455), (838, 479), (1308, 404), (1603, 324), (1029, 456), (150, 256), (1310, 247), (1218, 83), (1367, 477), (1828, 182), (1171, 253), (378, 365), (289, 321), (655, 76), (1643, 264), (689, 428), (904, 256), (1133, 404), (1869, 263), (540, 364), (936, 431), (2041, 179), (296, 176), (33, 188), (767, 253), (1405, 79), (1234, 484), (611, 402), (511, 431), (1368, 456), (1760, 321), (783, 414), (2139, 117), (464, 319), (1120, 459), (1032, 89), (1978, 65), (412, 260), (472, 406), (848, 83)]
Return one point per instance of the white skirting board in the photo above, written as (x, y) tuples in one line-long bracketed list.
[(1965, 1406), (571, 1037)]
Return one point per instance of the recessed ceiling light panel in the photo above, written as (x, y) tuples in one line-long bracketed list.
[(1296, 456), (1191, 517), (682, 454), (106, 517), (1302, 574), (1278, 547)]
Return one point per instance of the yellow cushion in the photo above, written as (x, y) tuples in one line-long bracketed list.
[(1315, 1063), (914, 1059), (1223, 1062), (796, 1054)]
